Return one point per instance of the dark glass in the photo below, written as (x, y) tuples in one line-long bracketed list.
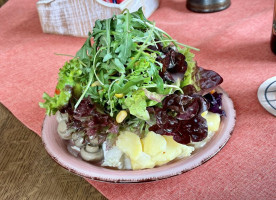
[(273, 35), (207, 6)]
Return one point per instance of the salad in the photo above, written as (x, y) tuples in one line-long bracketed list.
[(135, 98)]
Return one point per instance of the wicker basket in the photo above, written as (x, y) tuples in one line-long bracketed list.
[(77, 17)]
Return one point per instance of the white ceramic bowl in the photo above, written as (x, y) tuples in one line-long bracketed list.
[(57, 149)]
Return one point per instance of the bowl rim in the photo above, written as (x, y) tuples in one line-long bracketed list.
[(199, 159)]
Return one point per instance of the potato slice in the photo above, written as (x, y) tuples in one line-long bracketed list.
[(142, 162), (213, 121), (173, 150), (154, 143), (130, 144)]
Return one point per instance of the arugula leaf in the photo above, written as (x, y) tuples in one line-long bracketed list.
[(129, 85), (126, 44), (120, 61), (107, 22), (119, 66), (86, 49), (107, 57), (156, 78)]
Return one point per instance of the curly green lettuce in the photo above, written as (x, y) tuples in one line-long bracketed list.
[(72, 79)]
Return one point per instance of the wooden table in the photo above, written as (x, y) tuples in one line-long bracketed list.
[(28, 172)]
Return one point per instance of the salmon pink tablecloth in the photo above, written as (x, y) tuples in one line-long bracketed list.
[(234, 42)]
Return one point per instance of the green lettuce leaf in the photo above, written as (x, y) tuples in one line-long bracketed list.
[(137, 105), (197, 79), (188, 77), (154, 98), (53, 104), (72, 79)]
